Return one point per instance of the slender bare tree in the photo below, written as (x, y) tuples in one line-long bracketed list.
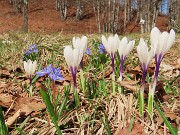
[(79, 10), (156, 6), (25, 15), (63, 9)]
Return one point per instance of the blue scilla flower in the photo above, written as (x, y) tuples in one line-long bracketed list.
[(101, 49), (53, 73), (88, 51), (32, 49)]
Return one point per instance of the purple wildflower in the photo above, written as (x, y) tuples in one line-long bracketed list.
[(101, 49), (88, 51), (53, 73), (32, 49)]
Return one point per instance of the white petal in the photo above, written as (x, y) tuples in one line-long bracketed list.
[(34, 66), (76, 59), (170, 41), (105, 43), (129, 47), (111, 44), (162, 43), (116, 43), (122, 46), (77, 43), (68, 55), (144, 55), (154, 38), (84, 42)]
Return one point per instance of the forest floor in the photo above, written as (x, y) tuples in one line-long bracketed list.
[(44, 18)]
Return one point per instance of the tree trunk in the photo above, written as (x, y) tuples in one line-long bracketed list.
[(129, 11), (125, 7), (79, 11), (149, 16), (98, 17), (155, 13), (25, 15), (63, 9), (57, 5)]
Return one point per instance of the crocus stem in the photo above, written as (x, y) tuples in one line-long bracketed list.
[(82, 80), (121, 88), (76, 97), (141, 103), (150, 99), (31, 87), (113, 83), (113, 73), (158, 59)]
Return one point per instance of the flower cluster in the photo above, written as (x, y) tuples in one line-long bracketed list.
[(31, 53), (101, 49), (53, 73), (32, 49)]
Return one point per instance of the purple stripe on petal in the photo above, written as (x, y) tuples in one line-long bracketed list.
[(122, 64), (158, 59), (144, 68), (74, 71), (112, 60)]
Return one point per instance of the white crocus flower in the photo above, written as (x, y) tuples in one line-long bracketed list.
[(111, 44), (73, 59), (30, 67), (80, 44), (161, 42), (124, 48), (144, 55), (72, 56)]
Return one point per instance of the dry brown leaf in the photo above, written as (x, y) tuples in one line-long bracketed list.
[(6, 100), (40, 86), (131, 85), (13, 118), (29, 104), (170, 115), (25, 106), (6, 73), (4, 84), (177, 64), (68, 77), (137, 130)]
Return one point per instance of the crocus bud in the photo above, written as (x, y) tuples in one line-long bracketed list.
[(30, 67)]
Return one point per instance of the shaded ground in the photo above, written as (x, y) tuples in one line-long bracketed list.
[(44, 18)]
